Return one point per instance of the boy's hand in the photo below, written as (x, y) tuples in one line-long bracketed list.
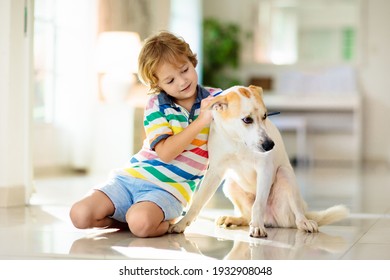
[(205, 115)]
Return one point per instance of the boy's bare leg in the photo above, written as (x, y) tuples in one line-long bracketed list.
[(93, 211), (146, 219)]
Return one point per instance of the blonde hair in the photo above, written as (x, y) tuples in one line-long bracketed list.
[(164, 47)]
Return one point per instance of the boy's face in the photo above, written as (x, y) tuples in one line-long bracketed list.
[(179, 81)]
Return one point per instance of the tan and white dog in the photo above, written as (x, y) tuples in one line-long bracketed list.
[(261, 182)]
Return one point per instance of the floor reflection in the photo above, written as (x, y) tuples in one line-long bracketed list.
[(286, 244), (171, 246), (228, 244)]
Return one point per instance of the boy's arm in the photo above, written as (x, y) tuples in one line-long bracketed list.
[(169, 148)]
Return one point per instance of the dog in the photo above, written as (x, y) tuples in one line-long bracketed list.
[(246, 150)]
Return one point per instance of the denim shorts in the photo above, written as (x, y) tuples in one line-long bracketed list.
[(124, 191)]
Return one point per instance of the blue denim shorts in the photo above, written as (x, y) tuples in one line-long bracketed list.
[(124, 191)]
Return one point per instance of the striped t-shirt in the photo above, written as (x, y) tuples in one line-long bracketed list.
[(163, 118)]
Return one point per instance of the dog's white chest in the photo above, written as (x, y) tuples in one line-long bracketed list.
[(244, 174)]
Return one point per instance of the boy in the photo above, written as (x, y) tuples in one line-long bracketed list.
[(160, 179)]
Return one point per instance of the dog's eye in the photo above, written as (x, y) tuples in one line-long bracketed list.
[(247, 120), (265, 116)]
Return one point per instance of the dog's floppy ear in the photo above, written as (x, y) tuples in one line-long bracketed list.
[(256, 89), (219, 103)]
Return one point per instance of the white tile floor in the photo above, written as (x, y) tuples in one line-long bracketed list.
[(43, 230)]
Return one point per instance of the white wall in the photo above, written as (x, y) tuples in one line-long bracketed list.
[(375, 81), (15, 109)]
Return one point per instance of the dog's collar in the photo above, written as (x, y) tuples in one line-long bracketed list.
[(272, 114), (217, 93)]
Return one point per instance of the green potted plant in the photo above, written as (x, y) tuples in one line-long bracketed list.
[(221, 49)]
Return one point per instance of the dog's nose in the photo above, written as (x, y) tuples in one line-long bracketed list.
[(267, 145)]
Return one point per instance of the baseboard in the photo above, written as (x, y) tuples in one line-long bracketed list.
[(12, 196), (56, 170)]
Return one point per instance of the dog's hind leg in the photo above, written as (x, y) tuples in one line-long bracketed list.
[(242, 202), (286, 182)]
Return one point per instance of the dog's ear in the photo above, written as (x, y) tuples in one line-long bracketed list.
[(256, 89), (219, 103)]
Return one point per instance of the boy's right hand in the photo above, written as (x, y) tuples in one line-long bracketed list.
[(205, 115)]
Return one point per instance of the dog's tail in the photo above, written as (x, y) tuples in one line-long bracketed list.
[(328, 216)]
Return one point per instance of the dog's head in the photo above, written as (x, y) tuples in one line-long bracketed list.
[(241, 113)]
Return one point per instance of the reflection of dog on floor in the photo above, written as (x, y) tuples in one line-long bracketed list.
[(289, 244), (261, 182)]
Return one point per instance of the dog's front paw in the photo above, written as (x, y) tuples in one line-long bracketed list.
[(257, 231), (179, 227), (307, 225)]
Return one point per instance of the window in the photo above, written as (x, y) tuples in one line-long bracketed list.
[(309, 31), (44, 59), (276, 33)]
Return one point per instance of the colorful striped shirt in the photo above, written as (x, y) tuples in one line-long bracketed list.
[(163, 118)]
